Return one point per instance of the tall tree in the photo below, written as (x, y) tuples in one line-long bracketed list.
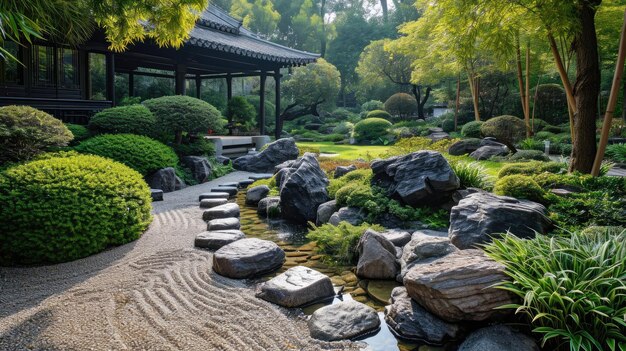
[(257, 15)]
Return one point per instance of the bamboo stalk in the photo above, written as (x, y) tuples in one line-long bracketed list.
[(457, 102), (610, 108), (527, 95), (520, 83), (473, 90), (571, 101)]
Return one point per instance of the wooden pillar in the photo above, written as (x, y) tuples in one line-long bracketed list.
[(198, 85), (278, 128), (110, 77), (180, 73), (229, 87), (262, 104), (131, 84), (83, 64)]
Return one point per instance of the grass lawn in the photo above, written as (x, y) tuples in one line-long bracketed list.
[(349, 152)]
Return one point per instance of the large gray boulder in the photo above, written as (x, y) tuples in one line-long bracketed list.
[(419, 178), (247, 258), (216, 239), (255, 194), (269, 206), (498, 338), (224, 224), (488, 151), (200, 167), (377, 257), (397, 237), (165, 179), (352, 215), (464, 147), (227, 210), (325, 211), (411, 321), (459, 286), (304, 190), (425, 246), (481, 215), (296, 287), (343, 320), (264, 162), (282, 175)]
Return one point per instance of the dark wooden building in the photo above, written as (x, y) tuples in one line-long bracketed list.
[(73, 83)]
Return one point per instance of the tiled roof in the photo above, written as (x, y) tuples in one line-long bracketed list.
[(217, 30)]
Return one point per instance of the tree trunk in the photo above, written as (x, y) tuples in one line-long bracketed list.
[(473, 83), (179, 138), (624, 103), (417, 95), (586, 90), (422, 103), (457, 102), (520, 83), (323, 38), (383, 5), (527, 94)]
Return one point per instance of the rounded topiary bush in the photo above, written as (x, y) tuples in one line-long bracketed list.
[(138, 152), (528, 155), (343, 128), (26, 132), (379, 114), (371, 129), (64, 208), (519, 186), (79, 132), (372, 105), (401, 104), (472, 129), (133, 119), (178, 114), (506, 129)]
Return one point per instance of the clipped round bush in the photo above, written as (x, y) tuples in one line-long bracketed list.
[(343, 128), (401, 104), (371, 129), (133, 119), (378, 114), (506, 129), (531, 168), (26, 132), (372, 105), (138, 152), (177, 114), (241, 113), (472, 129), (200, 147), (528, 155), (520, 187), (79, 132), (64, 208), (544, 135), (341, 114), (447, 125)]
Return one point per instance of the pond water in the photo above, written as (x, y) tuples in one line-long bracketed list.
[(300, 251)]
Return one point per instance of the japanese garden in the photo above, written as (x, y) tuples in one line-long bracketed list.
[(429, 175)]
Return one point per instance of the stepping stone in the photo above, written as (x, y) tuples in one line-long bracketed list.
[(209, 203), (229, 184), (224, 211), (216, 239), (261, 176), (231, 190), (245, 183), (213, 195), (156, 194), (255, 194), (343, 320), (247, 258), (296, 287), (224, 224)]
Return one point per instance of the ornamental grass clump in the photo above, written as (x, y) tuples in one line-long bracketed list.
[(572, 289), (471, 175), (339, 242)]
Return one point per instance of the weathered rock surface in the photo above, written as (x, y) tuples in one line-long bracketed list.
[(480, 215), (247, 258), (425, 246), (255, 194), (227, 210), (214, 240), (200, 167), (498, 338), (343, 320), (286, 164), (213, 195), (377, 257), (457, 286), (282, 175), (419, 178), (325, 211), (488, 151), (166, 180), (223, 224), (304, 190), (156, 194), (231, 190), (438, 136), (296, 287), (464, 147), (397, 237), (245, 183), (411, 321), (264, 162), (352, 215), (269, 206), (210, 203), (341, 171)]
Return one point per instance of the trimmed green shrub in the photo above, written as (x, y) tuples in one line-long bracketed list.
[(341, 114), (527, 155), (241, 113), (471, 175), (371, 129), (401, 104), (538, 124), (339, 243), (26, 132), (62, 209), (544, 135), (198, 147), (361, 176), (178, 114), (519, 186), (378, 114), (506, 129), (334, 137), (532, 168), (343, 128), (138, 152), (372, 105), (79, 132), (617, 152), (562, 138), (132, 119), (570, 287), (472, 129), (556, 129)]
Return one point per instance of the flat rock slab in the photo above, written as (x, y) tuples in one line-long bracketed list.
[(210, 203), (261, 176), (397, 237), (214, 240), (247, 258), (224, 224), (497, 338), (213, 195), (156, 194), (296, 287), (229, 184), (245, 183), (343, 320), (227, 210), (231, 190)]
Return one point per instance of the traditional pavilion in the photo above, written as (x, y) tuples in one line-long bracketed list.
[(60, 79)]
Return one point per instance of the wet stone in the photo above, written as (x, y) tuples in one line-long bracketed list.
[(213, 195), (231, 190), (295, 287), (223, 224), (224, 211), (214, 240), (210, 203)]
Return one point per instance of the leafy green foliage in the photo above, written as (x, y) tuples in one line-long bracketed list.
[(372, 105), (131, 119), (270, 182), (339, 242), (64, 208), (527, 155), (519, 186), (198, 147), (138, 152), (343, 128), (507, 129), (571, 288), (313, 83), (378, 114), (401, 104), (532, 168), (219, 169), (551, 103), (241, 113), (361, 176), (408, 145), (26, 132), (79, 132), (471, 175), (617, 152), (371, 129), (472, 129)]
